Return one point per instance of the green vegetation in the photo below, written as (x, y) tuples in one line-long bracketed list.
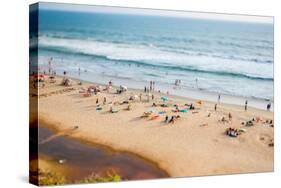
[(94, 178), (51, 178)]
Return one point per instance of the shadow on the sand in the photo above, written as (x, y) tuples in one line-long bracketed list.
[(135, 119), (90, 106), (161, 124), (74, 95)]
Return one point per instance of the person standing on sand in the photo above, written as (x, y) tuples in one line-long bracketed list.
[(50, 65), (104, 100), (166, 119), (246, 105), (152, 97), (215, 107), (230, 117), (140, 96), (172, 120), (97, 101), (268, 106), (145, 89), (219, 99), (153, 85)]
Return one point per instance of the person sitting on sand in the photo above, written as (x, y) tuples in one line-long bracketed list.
[(106, 88), (223, 120), (258, 119), (154, 104), (191, 107), (249, 123), (232, 132), (129, 107), (125, 102), (112, 110)]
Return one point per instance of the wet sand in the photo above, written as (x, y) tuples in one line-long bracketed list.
[(76, 160)]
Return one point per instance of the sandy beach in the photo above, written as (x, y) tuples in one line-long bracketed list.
[(194, 145)]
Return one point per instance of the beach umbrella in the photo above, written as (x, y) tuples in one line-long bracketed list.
[(164, 98), (124, 88), (38, 75)]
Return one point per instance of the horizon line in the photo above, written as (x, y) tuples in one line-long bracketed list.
[(156, 12)]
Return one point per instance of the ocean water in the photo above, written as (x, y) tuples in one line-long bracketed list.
[(233, 58)]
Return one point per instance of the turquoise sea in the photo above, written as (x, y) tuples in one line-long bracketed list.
[(234, 58)]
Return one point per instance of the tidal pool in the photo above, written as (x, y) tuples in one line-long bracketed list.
[(77, 160)]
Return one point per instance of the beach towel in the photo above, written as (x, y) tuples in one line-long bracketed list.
[(114, 111), (154, 117), (184, 110)]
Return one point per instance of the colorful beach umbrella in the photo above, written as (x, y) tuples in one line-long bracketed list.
[(38, 75)]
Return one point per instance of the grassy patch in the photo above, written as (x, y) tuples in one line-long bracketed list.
[(51, 178)]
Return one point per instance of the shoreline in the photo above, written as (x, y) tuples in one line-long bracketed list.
[(122, 137), (197, 94)]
